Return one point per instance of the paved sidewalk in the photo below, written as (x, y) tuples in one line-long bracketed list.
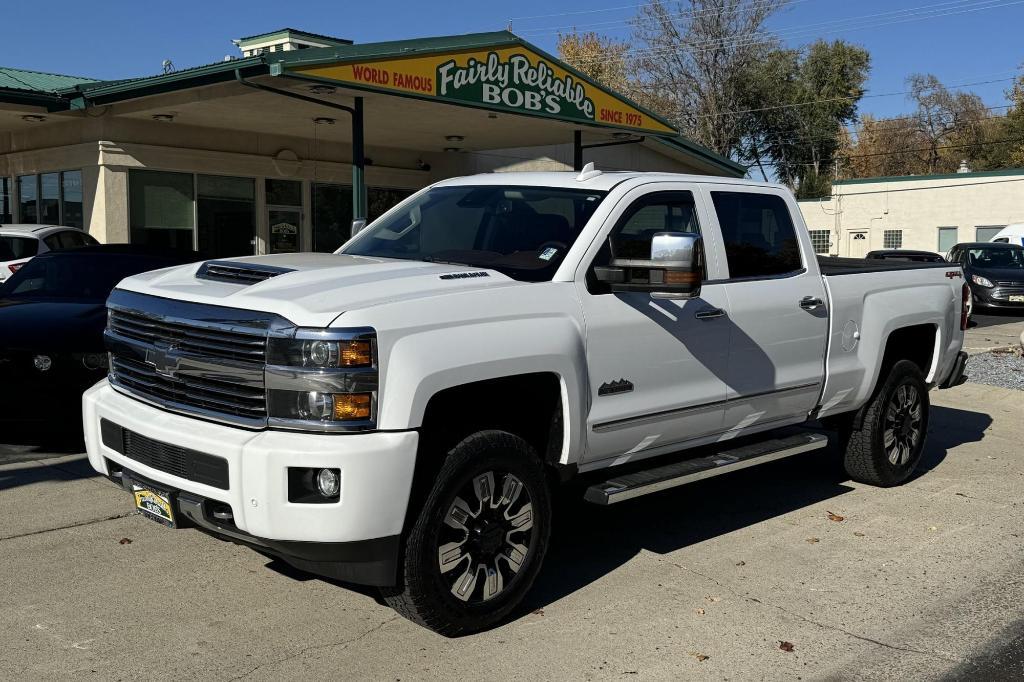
[(997, 332), (701, 582)]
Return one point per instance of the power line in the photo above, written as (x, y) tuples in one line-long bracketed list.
[(635, 6), (756, 5), (935, 10)]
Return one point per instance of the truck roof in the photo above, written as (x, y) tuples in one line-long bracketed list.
[(601, 181)]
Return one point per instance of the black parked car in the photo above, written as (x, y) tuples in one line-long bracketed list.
[(994, 271), (52, 315), (906, 255)]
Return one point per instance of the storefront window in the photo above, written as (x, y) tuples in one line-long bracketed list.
[(71, 196), (49, 199), (382, 199), (332, 216), (161, 209), (226, 213), (28, 202), (284, 192), (6, 210)]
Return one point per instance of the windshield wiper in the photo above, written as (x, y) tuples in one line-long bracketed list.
[(431, 259)]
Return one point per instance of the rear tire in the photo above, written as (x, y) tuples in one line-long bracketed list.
[(478, 543), (887, 446)]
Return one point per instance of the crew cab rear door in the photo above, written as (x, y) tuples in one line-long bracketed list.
[(656, 367), (777, 305)]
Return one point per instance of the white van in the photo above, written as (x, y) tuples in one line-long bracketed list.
[(1011, 234)]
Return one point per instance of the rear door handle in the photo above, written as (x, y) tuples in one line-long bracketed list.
[(810, 302), (709, 313)]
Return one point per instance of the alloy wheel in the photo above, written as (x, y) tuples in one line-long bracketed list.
[(486, 536), (903, 424)]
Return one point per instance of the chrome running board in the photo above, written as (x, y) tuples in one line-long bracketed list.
[(637, 483)]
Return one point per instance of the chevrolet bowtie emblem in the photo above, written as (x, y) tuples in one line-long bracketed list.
[(164, 360)]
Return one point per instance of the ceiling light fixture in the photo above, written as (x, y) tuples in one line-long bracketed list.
[(453, 149), (454, 138), (33, 118), (324, 121), (163, 118), (322, 89)]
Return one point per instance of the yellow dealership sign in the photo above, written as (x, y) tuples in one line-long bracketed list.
[(513, 79)]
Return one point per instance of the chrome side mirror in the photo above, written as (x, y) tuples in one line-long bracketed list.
[(357, 225), (674, 269)]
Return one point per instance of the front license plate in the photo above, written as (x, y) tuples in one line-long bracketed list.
[(154, 504), (1017, 299)]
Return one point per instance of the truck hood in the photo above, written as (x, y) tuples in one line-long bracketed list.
[(316, 287)]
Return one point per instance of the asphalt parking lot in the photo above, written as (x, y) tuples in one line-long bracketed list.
[(785, 571)]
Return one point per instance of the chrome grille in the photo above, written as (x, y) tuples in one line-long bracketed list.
[(189, 357), (203, 340), (204, 393)]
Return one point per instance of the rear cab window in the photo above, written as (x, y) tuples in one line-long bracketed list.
[(758, 233)]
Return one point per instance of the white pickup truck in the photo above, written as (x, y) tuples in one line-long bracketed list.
[(400, 412)]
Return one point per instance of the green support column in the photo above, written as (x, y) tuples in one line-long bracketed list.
[(358, 163)]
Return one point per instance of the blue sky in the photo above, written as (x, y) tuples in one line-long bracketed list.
[(119, 39)]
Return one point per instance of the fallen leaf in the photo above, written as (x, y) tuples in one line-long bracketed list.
[(699, 612), (858, 534), (813, 540), (786, 646), (712, 598), (699, 657), (832, 516), (125, 541), (932, 528), (741, 563)]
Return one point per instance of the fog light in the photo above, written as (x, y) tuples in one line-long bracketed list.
[(42, 362), (328, 482)]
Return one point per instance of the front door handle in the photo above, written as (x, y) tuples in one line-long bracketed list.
[(709, 313), (810, 302)]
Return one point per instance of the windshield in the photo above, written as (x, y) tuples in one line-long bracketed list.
[(14, 248), (996, 258), (523, 232), (82, 278)]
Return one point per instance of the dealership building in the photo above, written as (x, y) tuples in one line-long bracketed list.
[(279, 148), (921, 212)]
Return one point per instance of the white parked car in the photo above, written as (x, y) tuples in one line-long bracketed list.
[(1011, 234), (19, 243), (398, 413)]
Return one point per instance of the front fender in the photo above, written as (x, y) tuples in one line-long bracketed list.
[(424, 362)]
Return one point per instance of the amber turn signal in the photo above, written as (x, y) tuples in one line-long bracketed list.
[(352, 406), (356, 354), (676, 277)]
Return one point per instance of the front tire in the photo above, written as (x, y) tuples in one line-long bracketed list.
[(478, 543), (887, 446)]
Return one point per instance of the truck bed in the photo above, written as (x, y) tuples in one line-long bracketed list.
[(833, 265)]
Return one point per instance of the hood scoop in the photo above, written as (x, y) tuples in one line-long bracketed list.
[(238, 272)]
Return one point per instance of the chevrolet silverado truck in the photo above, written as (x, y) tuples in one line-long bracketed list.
[(399, 413)]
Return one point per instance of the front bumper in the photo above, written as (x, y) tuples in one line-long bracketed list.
[(355, 538), (998, 297)]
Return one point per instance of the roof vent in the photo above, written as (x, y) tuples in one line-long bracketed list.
[(587, 173), (237, 272)]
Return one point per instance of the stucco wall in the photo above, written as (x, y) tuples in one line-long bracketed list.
[(918, 207)]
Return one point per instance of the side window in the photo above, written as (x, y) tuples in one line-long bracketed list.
[(72, 239), (759, 236), (53, 241), (631, 237)]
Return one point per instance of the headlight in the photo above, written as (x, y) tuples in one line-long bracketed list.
[(981, 281), (323, 379)]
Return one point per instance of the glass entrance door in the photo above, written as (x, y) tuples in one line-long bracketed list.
[(285, 222), (226, 216)]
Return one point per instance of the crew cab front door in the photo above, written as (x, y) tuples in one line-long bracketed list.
[(657, 367)]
